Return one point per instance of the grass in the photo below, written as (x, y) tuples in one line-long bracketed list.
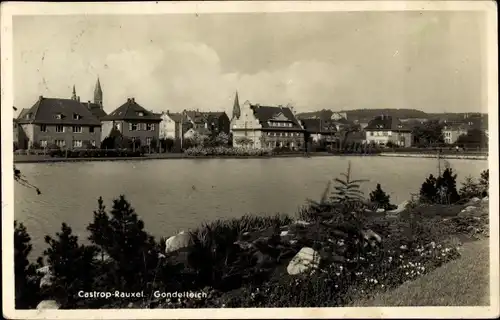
[(462, 282)]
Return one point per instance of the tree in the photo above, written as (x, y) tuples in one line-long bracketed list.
[(132, 250), (379, 197), (244, 141), (473, 138), (469, 189), (71, 265), (428, 191), (446, 187), (484, 183), (27, 281), (428, 133), (222, 139)]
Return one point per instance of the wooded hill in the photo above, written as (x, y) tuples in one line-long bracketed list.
[(367, 114)]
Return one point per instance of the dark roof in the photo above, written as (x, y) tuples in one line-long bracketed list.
[(130, 110), (319, 126), (46, 110), (23, 113), (201, 117), (386, 123), (96, 109), (282, 114)]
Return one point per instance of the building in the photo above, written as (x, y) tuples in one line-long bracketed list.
[(265, 126), (453, 130), (96, 107), (63, 122), (133, 121), (214, 122), (384, 129), (319, 130), (173, 125)]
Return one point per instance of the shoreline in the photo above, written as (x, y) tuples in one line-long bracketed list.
[(171, 156)]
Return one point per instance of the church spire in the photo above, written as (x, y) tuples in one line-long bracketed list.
[(236, 107), (98, 93), (73, 95)]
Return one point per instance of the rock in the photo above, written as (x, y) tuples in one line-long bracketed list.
[(43, 270), (485, 199), (46, 280), (292, 242), (244, 245), (401, 207), (305, 259), (469, 209), (380, 210), (370, 235), (302, 222), (284, 233), (48, 304), (474, 200), (174, 243)]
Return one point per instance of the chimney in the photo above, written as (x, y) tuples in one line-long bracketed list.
[(129, 100), (78, 98), (40, 97), (133, 99)]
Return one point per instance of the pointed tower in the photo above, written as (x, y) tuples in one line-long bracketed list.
[(73, 96), (236, 107), (98, 93)]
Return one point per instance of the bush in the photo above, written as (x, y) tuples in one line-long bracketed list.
[(381, 199), (71, 265), (95, 153), (227, 151), (441, 190), (27, 281)]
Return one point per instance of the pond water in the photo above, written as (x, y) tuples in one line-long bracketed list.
[(178, 194)]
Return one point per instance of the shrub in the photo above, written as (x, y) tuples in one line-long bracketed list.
[(446, 187), (484, 184), (132, 250), (27, 281), (470, 189), (379, 197), (71, 265), (227, 151), (428, 191)]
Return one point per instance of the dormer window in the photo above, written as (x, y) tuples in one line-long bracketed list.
[(28, 116), (140, 114), (59, 116), (76, 116)]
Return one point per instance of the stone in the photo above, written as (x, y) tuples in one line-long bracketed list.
[(46, 280), (370, 235), (284, 233), (48, 304), (401, 207), (380, 210), (474, 200), (302, 222), (469, 209), (180, 241), (305, 259), (485, 199), (244, 245)]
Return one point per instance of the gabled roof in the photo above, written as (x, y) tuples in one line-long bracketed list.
[(384, 123), (131, 110), (58, 111), (267, 114), (96, 109), (319, 126)]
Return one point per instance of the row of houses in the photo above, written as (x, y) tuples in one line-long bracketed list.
[(72, 123)]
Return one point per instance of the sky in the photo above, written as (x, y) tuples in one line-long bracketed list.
[(431, 61)]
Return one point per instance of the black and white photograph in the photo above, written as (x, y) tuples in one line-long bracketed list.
[(250, 159)]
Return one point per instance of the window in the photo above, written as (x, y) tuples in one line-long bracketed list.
[(77, 129), (59, 116), (390, 133), (59, 128), (43, 128), (91, 129), (43, 143), (132, 126), (143, 126), (371, 133), (28, 116), (385, 133), (140, 114), (60, 143), (77, 143), (148, 141), (150, 127), (92, 142), (76, 116)]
